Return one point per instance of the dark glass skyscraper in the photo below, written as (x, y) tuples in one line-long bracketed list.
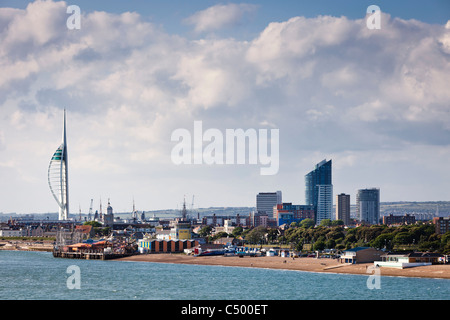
[(319, 190)]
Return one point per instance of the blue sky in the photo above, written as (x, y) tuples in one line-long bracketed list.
[(376, 102), (171, 13)]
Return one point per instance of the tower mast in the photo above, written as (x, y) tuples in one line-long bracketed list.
[(58, 176)]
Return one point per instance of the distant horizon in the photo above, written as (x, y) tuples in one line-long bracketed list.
[(217, 207)]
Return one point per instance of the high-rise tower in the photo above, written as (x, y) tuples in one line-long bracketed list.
[(265, 201), (368, 205), (343, 208), (319, 190), (58, 176)]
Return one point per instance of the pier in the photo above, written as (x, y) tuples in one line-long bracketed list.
[(90, 255), (71, 247)]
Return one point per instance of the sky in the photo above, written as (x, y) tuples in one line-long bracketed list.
[(375, 101)]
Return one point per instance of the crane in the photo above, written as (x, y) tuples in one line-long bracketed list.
[(90, 211)]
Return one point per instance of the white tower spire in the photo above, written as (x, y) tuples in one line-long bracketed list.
[(58, 176)]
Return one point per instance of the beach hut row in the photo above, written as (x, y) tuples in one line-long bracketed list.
[(165, 246)]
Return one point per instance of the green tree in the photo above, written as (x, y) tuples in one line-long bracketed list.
[(205, 231), (325, 222), (330, 244), (349, 239), (256, 235), (237, 231), (402, 238), (299, 246), (307, 223), (219, 235), (338, 222), (383, 241), (319, 245), (272, 234), (94, 224)]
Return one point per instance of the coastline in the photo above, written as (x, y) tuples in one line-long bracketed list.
[(441, 271), (298, 264), (21, 245)]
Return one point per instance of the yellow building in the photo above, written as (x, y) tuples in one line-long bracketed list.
[(181, 231)]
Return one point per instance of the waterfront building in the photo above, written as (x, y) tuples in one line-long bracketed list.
[(165, 246), (319, 190), (265, 201), (343, 208), (368, 205), (58, 176), (360, 255), (287, 213), (410, 259)]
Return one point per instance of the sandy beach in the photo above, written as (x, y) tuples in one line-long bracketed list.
[(300, 264)]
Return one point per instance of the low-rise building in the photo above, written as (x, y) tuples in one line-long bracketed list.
[(407, 260), (165, 246), (287, 213), (226, 241), (215, 220), (392, 219), (12, 233), (86, 230)]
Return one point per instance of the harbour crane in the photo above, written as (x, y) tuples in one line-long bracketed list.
[(90, 210)]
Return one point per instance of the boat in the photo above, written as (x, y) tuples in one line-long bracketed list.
[(211, 252)]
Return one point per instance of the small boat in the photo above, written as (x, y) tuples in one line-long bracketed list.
[(211, 252)]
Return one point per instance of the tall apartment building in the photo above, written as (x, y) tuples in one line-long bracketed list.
[(265, 201), (324, 202), (319, 190), (368, 205), (343, 208)]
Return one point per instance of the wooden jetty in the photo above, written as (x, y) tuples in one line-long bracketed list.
[(90, 255)]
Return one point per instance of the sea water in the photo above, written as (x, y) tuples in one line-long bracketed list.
[(40, 276)]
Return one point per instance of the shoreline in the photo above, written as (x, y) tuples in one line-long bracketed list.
[(298, 264), (23, 245), (322, 265)]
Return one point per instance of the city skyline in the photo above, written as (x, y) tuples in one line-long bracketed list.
[(374, 101)]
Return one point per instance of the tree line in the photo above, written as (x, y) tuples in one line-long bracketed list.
[(332, 235)]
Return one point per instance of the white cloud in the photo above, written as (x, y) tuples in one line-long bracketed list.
[(220, 16), (332, 87)]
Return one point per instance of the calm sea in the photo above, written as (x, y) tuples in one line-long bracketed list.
[(39, 276)]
